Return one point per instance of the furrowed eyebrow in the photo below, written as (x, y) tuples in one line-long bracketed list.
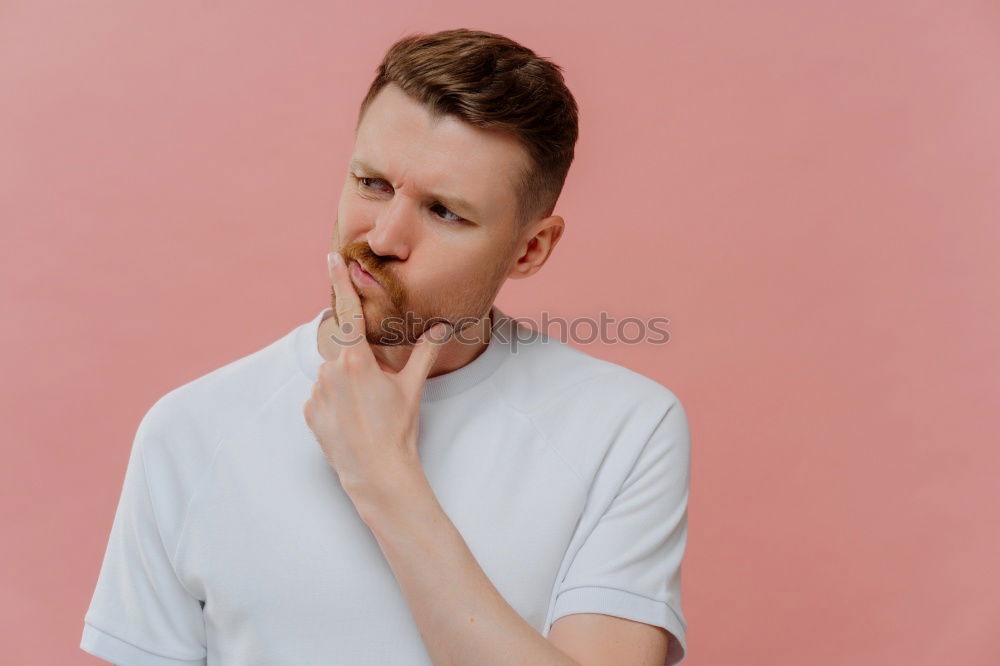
[(453, 203)]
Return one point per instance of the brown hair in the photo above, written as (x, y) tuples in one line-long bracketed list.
[(492, 82)]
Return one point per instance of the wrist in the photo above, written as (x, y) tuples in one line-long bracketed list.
[(388, 497)]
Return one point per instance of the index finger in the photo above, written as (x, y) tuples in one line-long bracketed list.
[(350, 316)]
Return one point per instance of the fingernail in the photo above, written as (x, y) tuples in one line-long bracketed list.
[(333, 258)]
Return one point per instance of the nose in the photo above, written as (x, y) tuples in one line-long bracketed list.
[(391, 234)]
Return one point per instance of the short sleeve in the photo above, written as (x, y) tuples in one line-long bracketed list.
[(629, 565), (140, 613)]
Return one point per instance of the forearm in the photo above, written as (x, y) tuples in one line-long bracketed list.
[(461, 616)]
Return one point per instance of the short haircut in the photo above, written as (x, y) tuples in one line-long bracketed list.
[(492, 82)]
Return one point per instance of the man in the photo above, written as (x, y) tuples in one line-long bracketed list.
[(411, 477)]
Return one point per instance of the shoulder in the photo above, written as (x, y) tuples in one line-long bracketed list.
[(190, 418), (546, 373), (589, 408)]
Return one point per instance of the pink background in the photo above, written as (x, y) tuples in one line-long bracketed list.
[(808, 190)]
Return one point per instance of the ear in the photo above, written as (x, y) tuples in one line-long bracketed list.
[(539, 241)]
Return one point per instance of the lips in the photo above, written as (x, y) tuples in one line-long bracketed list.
[(368, 274)]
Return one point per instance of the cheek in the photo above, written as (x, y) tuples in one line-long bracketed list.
[(354, 216), (467, 274)]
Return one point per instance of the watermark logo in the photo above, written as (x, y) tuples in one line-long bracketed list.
[(604, 329)]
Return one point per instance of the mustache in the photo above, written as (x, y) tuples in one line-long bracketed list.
[(368, 260)]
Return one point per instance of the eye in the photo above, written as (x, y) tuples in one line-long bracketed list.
[(366, 182), (457, 218)]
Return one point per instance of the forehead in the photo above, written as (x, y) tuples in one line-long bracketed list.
[(445, 156)]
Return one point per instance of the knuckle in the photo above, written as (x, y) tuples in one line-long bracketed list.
[(350, 359)]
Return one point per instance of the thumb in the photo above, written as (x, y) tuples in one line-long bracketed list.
[(426, 351)]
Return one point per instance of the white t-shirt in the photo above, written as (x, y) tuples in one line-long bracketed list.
[(234, 543)]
